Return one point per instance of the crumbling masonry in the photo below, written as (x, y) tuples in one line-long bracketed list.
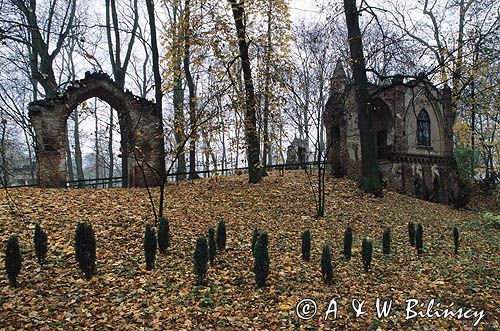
[(413, 125), (140, 123)]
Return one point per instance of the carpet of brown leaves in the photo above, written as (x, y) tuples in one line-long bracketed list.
[(124, 295)]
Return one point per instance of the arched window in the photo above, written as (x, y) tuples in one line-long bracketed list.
[(423, 128)]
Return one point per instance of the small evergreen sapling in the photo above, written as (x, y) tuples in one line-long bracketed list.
[(419, 240), (255, 236), (40, 241), (366, 253), (386, 242), (200, 259), (221, 236), (150, 247), (456, 239), (13, 260), (85, 249), (261, 260), (212, 245), (411, 233), (326, 265), (306, 245), (348, 243), (163, 235)]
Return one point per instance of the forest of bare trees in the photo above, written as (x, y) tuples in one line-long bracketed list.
[(237, 81)]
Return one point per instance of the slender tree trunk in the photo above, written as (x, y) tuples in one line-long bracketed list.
[(158, 97), (78, 152), (250, 122), (178, 99), (110, 149), (370, 181), (69, 158), (267, 92), (96, 145), (192, 91), (3, 153)]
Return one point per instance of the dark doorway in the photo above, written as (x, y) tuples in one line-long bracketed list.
[(382, 148)]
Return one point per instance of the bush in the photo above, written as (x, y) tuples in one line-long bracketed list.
[(221, 236), (456, 239), (163, 235), (85, 249), (386, 242), (326, 265), (462, 197), (419, 240), (348, 243), (366, 253), (411, 233), (150, 247), (306, 245), (200, 259), (466, 160), (255, 236), (13, 260), (261, 260), (40, 241), (212, 245)]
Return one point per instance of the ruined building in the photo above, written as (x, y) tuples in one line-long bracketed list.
[(413, 125), (140, 123)]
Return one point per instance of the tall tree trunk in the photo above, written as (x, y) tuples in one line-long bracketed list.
[(69, 158), (158, 97), (178, 100), (267, 92), (119, 70), (96, 145), (250, 121), (192, 92), (370, 181), (4, 153), (110, 149), (78, 152)]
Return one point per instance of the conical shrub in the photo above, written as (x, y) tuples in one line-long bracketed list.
[(221, 236), (212, 245), (261, 260), (200, 259), (419, 240), (306, 245), (163, 235), (13, 260), (411, 233), (386, 242), (255, 236), (85, 249), (366, 253), (348, 243), (40, 241), (326, 265), (456, 239), (149, 247)]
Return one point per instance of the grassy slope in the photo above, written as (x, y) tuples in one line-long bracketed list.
[(125, 295)]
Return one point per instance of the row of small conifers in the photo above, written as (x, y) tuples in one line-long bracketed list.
[(205, 250)]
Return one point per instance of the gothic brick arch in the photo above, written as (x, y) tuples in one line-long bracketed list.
[(140, 120)]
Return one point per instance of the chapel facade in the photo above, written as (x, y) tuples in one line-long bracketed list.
[(413, 128)]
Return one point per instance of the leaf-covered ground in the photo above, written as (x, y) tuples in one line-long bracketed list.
[(124, 295)]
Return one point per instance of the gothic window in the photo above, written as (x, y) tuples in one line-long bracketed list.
[(423, 129)]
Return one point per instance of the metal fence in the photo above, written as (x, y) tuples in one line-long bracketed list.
[(174, 177)]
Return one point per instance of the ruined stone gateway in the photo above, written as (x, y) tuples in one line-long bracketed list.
[(413, 125), (140, 124)]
